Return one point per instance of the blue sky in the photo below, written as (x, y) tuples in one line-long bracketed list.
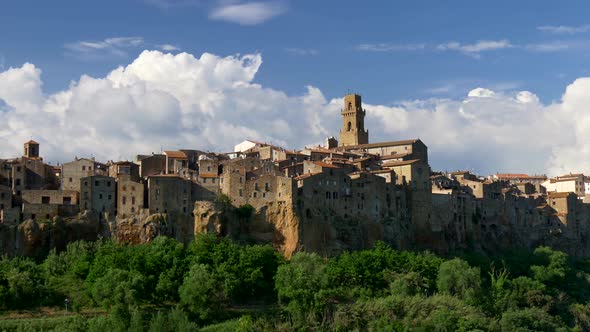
[(321, 42), (496, 86)]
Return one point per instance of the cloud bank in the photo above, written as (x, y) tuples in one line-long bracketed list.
[(210, 102)]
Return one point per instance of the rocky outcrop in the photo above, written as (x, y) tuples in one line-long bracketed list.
[(36, 238), (283, 226)]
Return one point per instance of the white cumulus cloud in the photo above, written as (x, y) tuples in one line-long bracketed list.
[(211, 102)]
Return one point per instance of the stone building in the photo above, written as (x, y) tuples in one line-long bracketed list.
[(175, 160), (517, 178), (396, 150), (97, 194), (130, 196), (151, 164), (5, 197), (119, 168), (168, 193), (46, 204), (353, 122), (567, 183), (28, 172), (208, 178), (73, 171)]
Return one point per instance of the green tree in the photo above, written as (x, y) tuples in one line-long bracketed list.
[(456, 277), (118, 287), (201, 294), (299, 284)]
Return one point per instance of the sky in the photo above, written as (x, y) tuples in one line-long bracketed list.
[(488, 86)]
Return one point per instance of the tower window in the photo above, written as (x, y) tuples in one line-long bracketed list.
[(349, 126), (349, 106)]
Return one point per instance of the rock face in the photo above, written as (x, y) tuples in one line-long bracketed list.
[(289, 231), (33, 238)]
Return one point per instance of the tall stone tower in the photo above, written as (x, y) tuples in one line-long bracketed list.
[(31, 149), (353, 122)]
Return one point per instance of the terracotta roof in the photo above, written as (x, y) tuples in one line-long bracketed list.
[(164, 176), (293, 165), (304, 176), (208, 176), (399, 163), (394, 156), (512, 176), (123, 163), (560, 195), (325, 165), (379, 171), (575, 175), (379, 145), (176, 154)]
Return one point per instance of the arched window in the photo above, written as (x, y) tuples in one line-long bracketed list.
[(349, 106), (349, 126)]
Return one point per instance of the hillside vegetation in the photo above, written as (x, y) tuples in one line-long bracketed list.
[(216, 285)]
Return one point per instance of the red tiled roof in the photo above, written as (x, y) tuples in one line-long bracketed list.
[(560, 195), (164, 176), (519, 176), (304, 176), (208, 176), (176, 154), (379, 145), (325, 165), (400, 163)]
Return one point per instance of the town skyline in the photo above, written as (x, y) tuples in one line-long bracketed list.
[(489, 97)]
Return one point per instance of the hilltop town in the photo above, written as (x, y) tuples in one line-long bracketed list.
[(344, 195)]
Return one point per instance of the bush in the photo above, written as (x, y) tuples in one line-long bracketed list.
[(457, 278)]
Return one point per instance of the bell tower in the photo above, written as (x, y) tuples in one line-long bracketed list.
[(31, 149), (353, 122)]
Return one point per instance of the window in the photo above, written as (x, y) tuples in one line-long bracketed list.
[(133, 200), (100, 196), (327, 195), (70, 180), (18, 168), (96, 184), (254, 194), (335, 195), (124, 200), (208, 168), (85, 183), (241, 193), (124, 188), (263, 195), (256, 186), (110, 197), (83, 168), (266, 186), (108, 183), (17, 182), (204, 180), (213, 180), (44, 199), (1, 195), (241, 179)]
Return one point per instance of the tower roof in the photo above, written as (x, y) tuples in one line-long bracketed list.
[(31, 142)]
